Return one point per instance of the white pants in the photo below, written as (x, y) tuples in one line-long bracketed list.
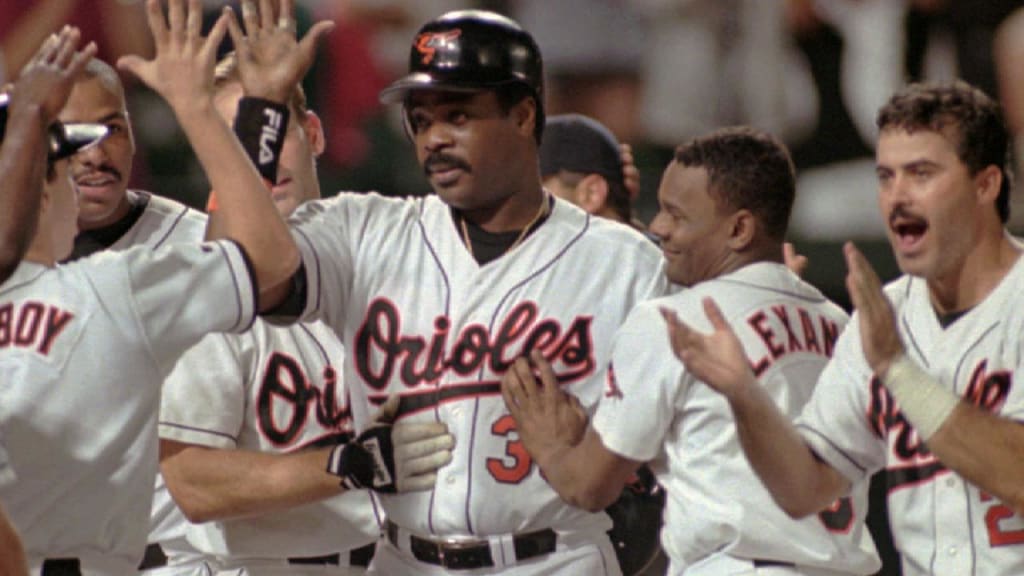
[(725, 565), (590, 555)]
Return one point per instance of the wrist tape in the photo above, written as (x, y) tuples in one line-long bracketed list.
[(261, 126), (924, 402)]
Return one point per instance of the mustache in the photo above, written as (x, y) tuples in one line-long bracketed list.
[(102, 169), (901, 212), (436, 159)]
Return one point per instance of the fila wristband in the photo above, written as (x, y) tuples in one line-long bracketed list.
[(261, 126)]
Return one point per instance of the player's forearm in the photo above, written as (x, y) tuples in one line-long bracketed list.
[(23, 165), (210, 484), (248, 214), (585, 475), (987, 450), (798, 481)]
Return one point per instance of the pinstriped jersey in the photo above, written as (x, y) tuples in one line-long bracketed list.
[(274, 390), (941, 524), (654, 410), (162, 221), (83, 350), (422, 319)]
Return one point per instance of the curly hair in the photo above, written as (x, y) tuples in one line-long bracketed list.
[(747, 169)]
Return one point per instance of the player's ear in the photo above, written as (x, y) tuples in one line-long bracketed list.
[(592, 193), (988, 181), (744, 228), (314, 130), (525, 115)]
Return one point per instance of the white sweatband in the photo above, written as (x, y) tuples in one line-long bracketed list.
[(924, 402)]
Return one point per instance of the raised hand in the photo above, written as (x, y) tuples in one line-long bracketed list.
[(878, 335), (182, 70), (47, 79), (270, 60), (548, 419), (716, 358), (794, 261), (630, 173)]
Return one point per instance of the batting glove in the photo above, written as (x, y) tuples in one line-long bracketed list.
[(392, 458)]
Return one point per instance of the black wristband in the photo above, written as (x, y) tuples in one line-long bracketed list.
[(260, 126), (353, 464)]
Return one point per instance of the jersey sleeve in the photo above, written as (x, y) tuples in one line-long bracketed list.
[(834, 423), (180, 293), (7, 475), (204, 397), (643, 378), (323, 231)]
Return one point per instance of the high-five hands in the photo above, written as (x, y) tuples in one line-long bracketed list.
[(182, 69), (47, 79), (270, 60)]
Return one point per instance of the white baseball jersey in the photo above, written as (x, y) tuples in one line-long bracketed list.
[(940, 523), (7, 475), (275, 390), (716, 503), (84, 348), (421, 318), (164, 221)]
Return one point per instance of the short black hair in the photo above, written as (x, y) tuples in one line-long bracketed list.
[(747, 169), (968, 115)]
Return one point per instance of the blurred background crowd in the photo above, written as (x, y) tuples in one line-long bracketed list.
[(657, 72)]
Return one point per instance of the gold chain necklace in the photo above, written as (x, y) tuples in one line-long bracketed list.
[(519, 239)]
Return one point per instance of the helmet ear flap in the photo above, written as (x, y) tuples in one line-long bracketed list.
[(407, 121)]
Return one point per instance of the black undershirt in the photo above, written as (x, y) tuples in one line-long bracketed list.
[(946, 320), (91, 241), (489, 246)]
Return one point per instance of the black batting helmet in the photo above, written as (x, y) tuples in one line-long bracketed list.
[(63, 140), (468, 51)]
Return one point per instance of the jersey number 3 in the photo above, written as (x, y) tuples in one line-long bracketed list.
[(517, 462)]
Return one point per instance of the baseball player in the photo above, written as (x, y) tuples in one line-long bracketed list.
[(27, 129), (435, 296), (241, 403), (922, 384), (84, 346), (25, 113), (12, 554), (581, 161), (114, 217), (721, 225)]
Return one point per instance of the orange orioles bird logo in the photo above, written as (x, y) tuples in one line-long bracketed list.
[(428, 42)]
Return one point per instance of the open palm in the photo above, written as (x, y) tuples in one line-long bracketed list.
[(716, 358)]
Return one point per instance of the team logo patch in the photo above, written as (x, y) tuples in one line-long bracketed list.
[(428, 43)]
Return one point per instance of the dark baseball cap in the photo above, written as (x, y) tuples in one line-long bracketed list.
[(64, 139), (577, 143)]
